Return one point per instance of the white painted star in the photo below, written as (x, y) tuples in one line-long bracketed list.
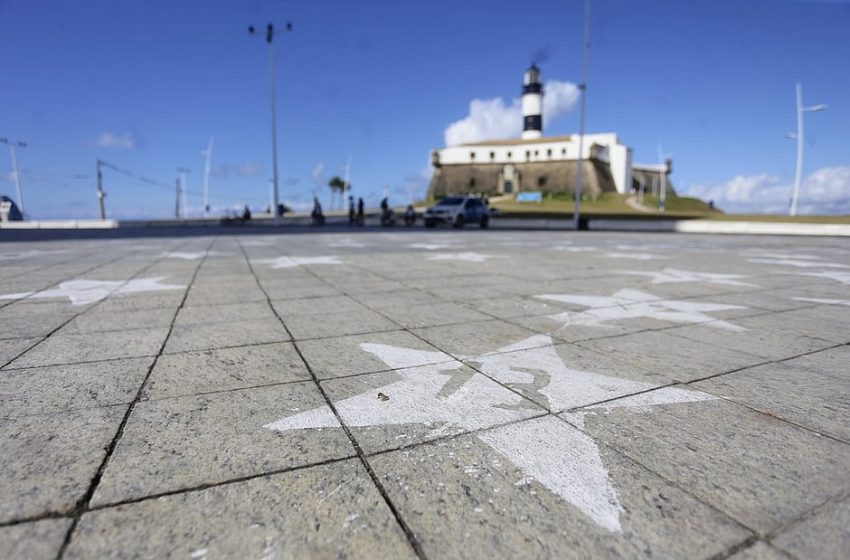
[(674, 275), (431, 246), (837, 275), (191, 256), (291, 262), (82, 292), (824, 301), (810, 262), (467, 256), (631, 304), (435, 390), (573, 249), (634, 256), (346, 242)]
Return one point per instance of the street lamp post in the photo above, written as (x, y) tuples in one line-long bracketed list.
[(270, 41), (798, 176), (13, 147), (583, 89)]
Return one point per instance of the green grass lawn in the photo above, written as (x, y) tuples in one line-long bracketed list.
[(614, 205)]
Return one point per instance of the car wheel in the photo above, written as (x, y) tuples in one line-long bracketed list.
[(430, 224), (460, 221), (485, 222)]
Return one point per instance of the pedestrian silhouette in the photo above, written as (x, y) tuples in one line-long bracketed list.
[(351, 210), (360, 217)]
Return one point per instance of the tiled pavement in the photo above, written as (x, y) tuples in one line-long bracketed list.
[(434, 395)]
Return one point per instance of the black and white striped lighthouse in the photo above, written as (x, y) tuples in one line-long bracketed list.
[(532, 104)]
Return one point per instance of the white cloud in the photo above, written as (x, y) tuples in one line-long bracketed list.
[(490, 119), (826, 191), (123, 141), (318, 173), (248, 169)]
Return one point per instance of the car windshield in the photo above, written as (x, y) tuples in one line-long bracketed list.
[(451, 201)]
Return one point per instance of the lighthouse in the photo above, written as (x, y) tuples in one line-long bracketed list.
[(532, 104)]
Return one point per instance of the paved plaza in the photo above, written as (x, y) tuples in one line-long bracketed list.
[(446, 394)]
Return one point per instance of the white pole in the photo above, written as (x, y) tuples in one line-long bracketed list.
[(274, 123), (662, 199), (583, 88), (207, 169), (17, 173), (183, 189), (271, 198), (798, 177)]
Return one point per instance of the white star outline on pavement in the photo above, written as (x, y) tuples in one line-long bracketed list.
[(634, 256), (837, 275), (292, 262), (192, 256), (82, 292), (432, 246), (811, 262), (675, 275), (438, 391), (825, 301), (468, 256), (30, 253), (632, 304)]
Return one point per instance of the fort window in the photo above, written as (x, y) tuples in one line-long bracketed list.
[(509, 155), (563, 151), (528, 155), (541, 181), (492, 155), (549, 153), (472, 183), (472, 155)]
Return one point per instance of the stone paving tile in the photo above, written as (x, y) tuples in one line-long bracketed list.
[(431, 315), (135, 302), (328, 511), (185, 442), (761, 339), (11, 347), (40, 540), (76, 348), (344, 356), (323, 325), (676, 358), (313, 288), (823, 535), (206, 336), (50, 389), (223, 313), (832, 362), (32, 320), (466, 498), (99, 321), (331, 304), (189, 373), (512, 307), (472, 339), (760, 551), (725, 454), (380, 300), (48, 461), (805, 397)]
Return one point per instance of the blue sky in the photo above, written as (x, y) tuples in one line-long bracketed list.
[(143, 85)]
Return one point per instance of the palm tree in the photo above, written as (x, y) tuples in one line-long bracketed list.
[(337, 184)]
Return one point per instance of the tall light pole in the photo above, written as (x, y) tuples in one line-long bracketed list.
[(270, 41), (100, 194), (798, 177), (583, 90), (182, 192), (207, 168), (13, 145)]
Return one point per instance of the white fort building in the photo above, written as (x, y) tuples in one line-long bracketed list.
[(538, 163)]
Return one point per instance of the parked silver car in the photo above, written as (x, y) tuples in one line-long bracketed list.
[(458, 211)]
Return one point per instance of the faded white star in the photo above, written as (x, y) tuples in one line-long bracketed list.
[(82, 292), (837, 275), (467, 256), (436, 391), (191, 256), (291, 262), (634, 256), (631, 304), (825, 301), (674, 275), (811, 262), (432, 246)]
